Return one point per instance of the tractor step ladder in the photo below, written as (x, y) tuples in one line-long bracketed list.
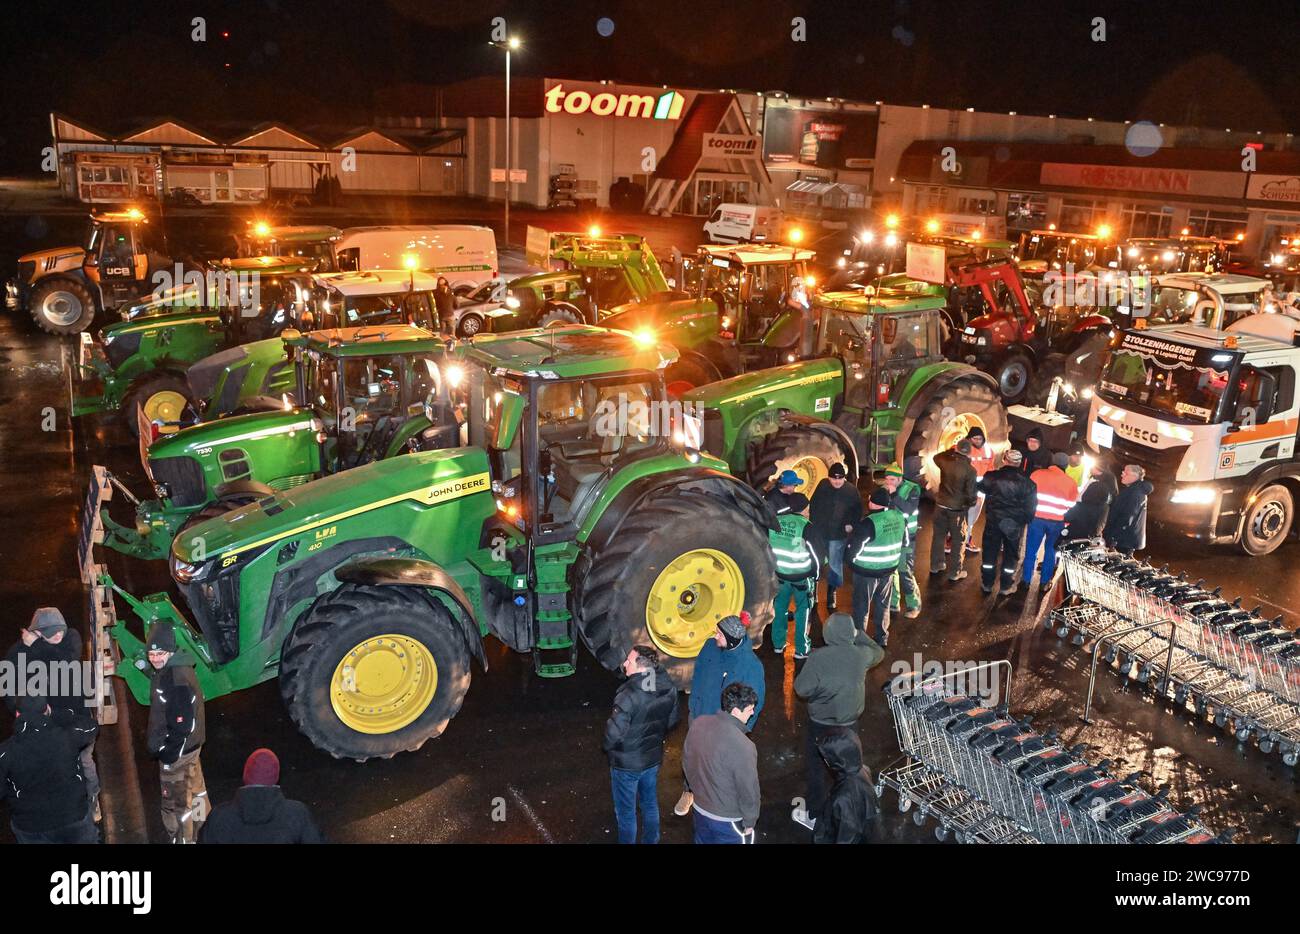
[(101, 613), (554, 631)]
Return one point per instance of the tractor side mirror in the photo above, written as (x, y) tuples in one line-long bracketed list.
[(509, 416)]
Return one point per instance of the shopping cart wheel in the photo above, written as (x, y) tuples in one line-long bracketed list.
[(1289, 758), (941, 833), (918, 817), (1266, 746), (1180, 696), (1202, 705), (1243, 734), (1076, 639), (1144, 674), (1047, 622), (904, 803), (1062, 631), (1110, 655), (1162, 687), (1220, 718), (960, 837)]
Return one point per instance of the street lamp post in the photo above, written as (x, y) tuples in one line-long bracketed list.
[(509, 45)]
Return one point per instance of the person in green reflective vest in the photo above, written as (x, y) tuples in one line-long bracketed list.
[(874, 550), (796, 573), (904, 486)]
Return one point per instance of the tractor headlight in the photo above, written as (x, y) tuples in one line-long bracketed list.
[(185, 573), (512, 302), (1194, 495), (455, 376)]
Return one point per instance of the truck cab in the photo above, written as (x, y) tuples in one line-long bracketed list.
[(1212, 418)]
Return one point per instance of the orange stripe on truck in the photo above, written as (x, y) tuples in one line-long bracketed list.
[(1263, 432)]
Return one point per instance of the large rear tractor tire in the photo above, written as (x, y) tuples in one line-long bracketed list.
[(164, 398), (948, 416), (806, 451), (687, 374), (560, 315), (373, 671), (62, 306), (680, 563)]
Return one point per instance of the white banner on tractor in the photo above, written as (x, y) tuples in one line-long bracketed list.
[(926, 263)]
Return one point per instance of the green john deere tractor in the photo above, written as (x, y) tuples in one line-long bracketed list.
[(372, 393), (869, 387), (142, 360), (599, 272), (368, 593)]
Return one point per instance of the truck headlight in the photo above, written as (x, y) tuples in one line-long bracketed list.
[(1194, 495)]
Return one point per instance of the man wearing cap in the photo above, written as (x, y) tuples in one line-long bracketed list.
[(1012, 500), (796, 572), (904, 488), (779, 496), (1076, 470), (260, 812), (176, 734), (728, 658), (1056, 495), (836, 505), (40, 774), (874, 550), (953, 501), (1034, 454)]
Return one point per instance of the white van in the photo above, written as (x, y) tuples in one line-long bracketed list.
[(743, 223), (465, 254)]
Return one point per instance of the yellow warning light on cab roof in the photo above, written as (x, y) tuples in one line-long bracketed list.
[(891, 221), (593, 230), (796, 235), (1103, 231), (644, 337), (932, 226), (262, 229), (410, 261)]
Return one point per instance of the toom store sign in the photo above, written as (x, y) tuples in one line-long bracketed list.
[(731, 145), (667, 106)]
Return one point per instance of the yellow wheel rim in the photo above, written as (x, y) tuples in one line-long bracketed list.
[(688, 598), (811, 469), (957, 428), (165, 406), (384, 684)]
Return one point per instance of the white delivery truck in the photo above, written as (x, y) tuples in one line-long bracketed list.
[(465, 254), (744, 223), (1212, 416)]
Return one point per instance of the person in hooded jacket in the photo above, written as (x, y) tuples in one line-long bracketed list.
[(852, 808), (1126, 526), (836, 506), (41, 777), (444, 299), (260, 812), (728, 658), (1035, 454), (645, 709), (833, 682), (1012, 502), (1087, 517), (175, 736)]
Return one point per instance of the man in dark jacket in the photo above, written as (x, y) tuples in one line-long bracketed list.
[(833, 682), (728, 658), (176, 734), (952, 500), (49, 645), (40, 774), (645, 709), (721, 764), (875, 550), (836, 506), (444, 299), (1126, 526), (850, 812), (778, 497), (1087, 517), (1035, 453), (260, 812), (1011, 499)]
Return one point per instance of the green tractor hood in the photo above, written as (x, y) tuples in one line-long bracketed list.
[(150, 322), (415, 481), (682, 321), (234, 430)]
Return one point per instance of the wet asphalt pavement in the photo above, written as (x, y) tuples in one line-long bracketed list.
[(522, 761)]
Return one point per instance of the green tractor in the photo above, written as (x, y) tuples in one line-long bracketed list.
[(721, 325), (599, 272), (312, 244), (368, 593), (372, 393), (141, 361), (255, 376), (870, 386)]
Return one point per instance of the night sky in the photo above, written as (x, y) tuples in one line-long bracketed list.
[(117, 64)]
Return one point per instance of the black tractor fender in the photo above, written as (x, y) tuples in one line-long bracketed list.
[(702, 360), (417, 572), (238, 489), (830, 430), (706, 479)]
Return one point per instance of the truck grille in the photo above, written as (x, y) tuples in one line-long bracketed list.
[(215, 605), (1159, 464), (183, 478)]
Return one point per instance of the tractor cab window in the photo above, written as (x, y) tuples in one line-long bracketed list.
[(372, 386), (901, 340), (263, 311), (721, 283), (349, 260), (846, 336), (609, 287), (117, 252)]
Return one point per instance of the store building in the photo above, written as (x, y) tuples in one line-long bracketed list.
[(1079, 187)]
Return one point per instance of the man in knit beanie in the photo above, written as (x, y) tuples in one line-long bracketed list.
[(260, 812)]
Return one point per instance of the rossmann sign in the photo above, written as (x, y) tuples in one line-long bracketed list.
[(666, 106)]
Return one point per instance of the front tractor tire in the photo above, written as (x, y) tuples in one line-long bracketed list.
[(806, 451), (947, 418), (680, 563), (165, 398), (62, 306), (371, 671), (560, 315), (1014, 375)]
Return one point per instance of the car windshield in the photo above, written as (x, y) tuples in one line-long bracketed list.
[(1174, 390)]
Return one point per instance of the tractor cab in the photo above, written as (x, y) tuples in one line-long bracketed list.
[(121, 255), (1158, 255), (312, 244), (1043, 251), (352, 299), (751, 285)]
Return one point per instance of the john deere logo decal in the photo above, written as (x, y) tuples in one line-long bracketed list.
[(667, 106)]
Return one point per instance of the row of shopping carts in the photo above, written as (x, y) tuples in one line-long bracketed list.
[(988, 777), (1186, 643)]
